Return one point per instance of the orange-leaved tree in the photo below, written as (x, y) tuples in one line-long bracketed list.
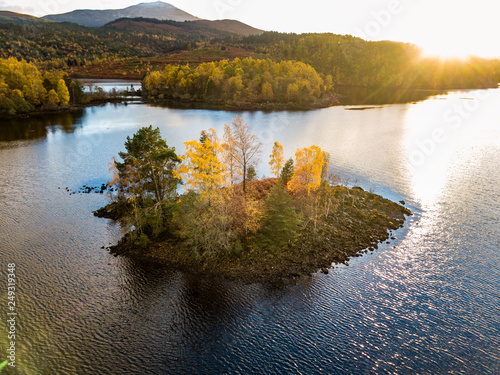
[(309, 163)]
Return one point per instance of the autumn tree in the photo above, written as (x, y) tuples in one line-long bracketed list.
[(277, 159), (267, 91), (204, 223), (52, 100), (309, 163), (202, 167), (244, 147), (62, 92), (229, 155)]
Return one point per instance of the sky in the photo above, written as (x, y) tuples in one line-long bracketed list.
[(440, 27)]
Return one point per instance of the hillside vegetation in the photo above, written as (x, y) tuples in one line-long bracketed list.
[(354, 61), (66, 45), (131, 47)]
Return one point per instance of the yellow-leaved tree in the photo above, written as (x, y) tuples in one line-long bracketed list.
[(62, 92), (277, 159), (229, 156), (309, 163), (202, 168)]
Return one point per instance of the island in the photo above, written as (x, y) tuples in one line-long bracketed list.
[(247, 83), (206, 212)]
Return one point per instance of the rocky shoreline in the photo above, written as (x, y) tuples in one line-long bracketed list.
[(365, 222)]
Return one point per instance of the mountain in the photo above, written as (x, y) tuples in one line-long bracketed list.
[(232, 26), (174, 29), (7, 16), (95, 18), (222, 28)]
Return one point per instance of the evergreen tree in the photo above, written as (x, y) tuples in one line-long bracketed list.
[(281, 222), (287, 172), (251, 173), (148, 166)]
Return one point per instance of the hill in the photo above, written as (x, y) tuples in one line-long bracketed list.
[(166, 27), (7, 16), (231, 26), (96, 18), (68, 44)]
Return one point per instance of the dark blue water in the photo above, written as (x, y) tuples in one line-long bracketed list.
[(427, 303)]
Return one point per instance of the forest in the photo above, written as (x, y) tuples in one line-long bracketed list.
[(136, 42), (207, 208), (354, 61), (63, 45), (239, 81), (24, 89)]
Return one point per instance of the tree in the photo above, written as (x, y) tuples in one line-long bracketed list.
[(52, 100), (202, 166), (251, 173), (281, 222), (267, 91), (277, 159), (229, 155), (292, 92), (309, 163), (287, 172), (244, 147), (148, 166), (203, 222), (62, 92)]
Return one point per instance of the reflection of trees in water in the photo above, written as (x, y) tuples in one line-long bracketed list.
[(349, 95), (37, 127)]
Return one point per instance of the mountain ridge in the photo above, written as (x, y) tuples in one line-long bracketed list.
[(96, 17), (155, 25)]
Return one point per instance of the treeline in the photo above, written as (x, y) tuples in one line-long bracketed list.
[(67, 44), (239, 81), (354, 61)]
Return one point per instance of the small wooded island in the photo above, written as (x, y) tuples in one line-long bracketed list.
[(230, 224), (243, 84)]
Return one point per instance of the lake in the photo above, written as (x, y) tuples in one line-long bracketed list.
[(428, 302)]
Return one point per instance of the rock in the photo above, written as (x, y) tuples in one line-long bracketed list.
[(325, 271), (402, 202)]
